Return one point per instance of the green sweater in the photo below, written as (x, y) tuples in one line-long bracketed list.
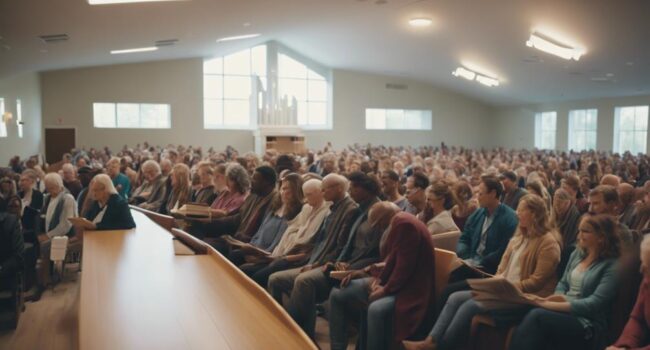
[(598, 291)]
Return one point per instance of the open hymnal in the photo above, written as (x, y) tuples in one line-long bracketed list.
[(81, 222), (458, 262), (193, 210), (498, 293), (247, 248)]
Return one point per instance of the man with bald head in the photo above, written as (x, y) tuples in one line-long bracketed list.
[(399, 292)]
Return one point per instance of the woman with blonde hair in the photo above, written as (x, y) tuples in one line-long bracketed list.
[(181, 187), (577, 315), (529, 262)]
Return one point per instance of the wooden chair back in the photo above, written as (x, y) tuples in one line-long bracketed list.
[(199, 247), (165, 221), (446, 241), (443, 262)]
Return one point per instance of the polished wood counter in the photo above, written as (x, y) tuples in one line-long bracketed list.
[(136, 294)]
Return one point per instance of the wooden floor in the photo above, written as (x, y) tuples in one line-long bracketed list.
[(51, 323)]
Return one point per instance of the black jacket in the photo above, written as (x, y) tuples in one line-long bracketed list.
[(31, 215), (11, 245), (117, 215)]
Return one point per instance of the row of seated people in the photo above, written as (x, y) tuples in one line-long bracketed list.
[(347, 240), (44, 216)]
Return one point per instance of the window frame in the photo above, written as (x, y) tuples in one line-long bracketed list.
[(3, 126), (427, 112), (541, 130), (573, 114), (616, 147), (140, 127)]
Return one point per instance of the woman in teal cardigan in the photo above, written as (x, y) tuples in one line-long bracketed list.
[(578, 312)]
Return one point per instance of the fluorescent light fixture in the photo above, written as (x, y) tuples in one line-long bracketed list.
[(487, 81), (108, 2), (238, 37), (420, 22), (465, 73), (139, 49), (553, 47)]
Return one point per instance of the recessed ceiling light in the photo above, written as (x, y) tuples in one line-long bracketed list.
[(487, 81), (465, 73), (108, 2), (139, 49), (552, 46), (420, 22), (238, 37)]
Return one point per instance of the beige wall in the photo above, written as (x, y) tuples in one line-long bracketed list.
[(26, 88), (68, 96), (516, 125)]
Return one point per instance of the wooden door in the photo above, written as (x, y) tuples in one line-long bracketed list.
[(58, 142)]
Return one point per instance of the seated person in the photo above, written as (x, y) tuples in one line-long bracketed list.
[(297, 240), (400, 297), (390, 188), (31, 198), (9, 195), (70, 180), (245, 222), (465, 205), (328, 241), (230, 199), (635, 334), (565, 218), (603, 199), (180, 191), (529, 262), (440, 200), (484, 238), (512, 193), (576, 316), (11, 248), (206, 193), (281, 215), (416, 186), (109, 211), (85, 175), (151, 194), (58, 206), (120, 181), (361, 248)]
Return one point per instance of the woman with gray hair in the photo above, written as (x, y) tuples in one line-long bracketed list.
[(151, 194), (228, 201), (109, 211)]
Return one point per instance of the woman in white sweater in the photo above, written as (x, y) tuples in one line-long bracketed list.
[(440, 200)]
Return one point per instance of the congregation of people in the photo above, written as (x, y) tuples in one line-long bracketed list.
[(351, 234)]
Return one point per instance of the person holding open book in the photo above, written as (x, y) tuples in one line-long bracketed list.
[(529, 263), (576, 316), (282, 213), (108, 210)]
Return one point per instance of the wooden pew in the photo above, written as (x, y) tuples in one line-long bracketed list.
[(446, 241), (136, 294), (443, 261), (165, 221), (198, 246)]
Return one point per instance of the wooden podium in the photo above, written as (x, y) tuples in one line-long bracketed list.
[(284, 139)]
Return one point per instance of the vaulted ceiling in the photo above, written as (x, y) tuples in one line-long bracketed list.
[(363, 35)]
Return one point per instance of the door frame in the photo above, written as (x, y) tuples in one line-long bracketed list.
[(45, 127)]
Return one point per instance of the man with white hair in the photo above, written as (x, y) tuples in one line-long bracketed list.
[(151, 194), (58, 206)]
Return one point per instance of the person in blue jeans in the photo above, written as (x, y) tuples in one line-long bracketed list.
[(577, 315)]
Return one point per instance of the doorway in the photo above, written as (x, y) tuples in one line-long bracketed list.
[(58, 141)]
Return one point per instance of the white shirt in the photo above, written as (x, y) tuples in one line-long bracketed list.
[(100, 215), (442, 223), (513, 271), (69, 211)]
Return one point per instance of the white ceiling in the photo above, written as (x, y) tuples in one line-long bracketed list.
[(363, 35)]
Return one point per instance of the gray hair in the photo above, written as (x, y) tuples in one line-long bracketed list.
[(55, 179), (105, 181), (338, 179), (237, 174), (151, 164)]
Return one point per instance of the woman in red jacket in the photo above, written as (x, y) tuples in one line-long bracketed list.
[(636, 334)]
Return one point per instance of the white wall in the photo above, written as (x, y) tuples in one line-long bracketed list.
[(25, 87), (516, 125), (68, 96), (457, 120)]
